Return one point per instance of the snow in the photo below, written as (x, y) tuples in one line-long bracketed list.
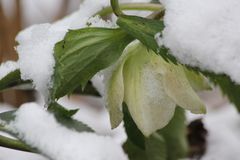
[(223, 125), (8, 154), (98, 83), (58, 142), (224, 130), (87, 9), (93, 113), (7, 67), (35, 52), (204, 33)]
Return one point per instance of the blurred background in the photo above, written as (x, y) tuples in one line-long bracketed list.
[(16, 15)]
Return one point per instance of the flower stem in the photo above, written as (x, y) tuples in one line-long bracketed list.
[(115, 7), (14, 144), (132, 6)]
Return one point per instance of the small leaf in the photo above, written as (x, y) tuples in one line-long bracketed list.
[(59, 110), (82, 54), (145, 30), (11, 80), (64, 117)]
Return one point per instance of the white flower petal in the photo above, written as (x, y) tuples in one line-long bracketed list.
[(179, 89), (148, 104)]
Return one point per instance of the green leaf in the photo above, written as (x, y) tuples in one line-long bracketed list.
[(12, 79), (228, 87), (175, 136), (145, 31), (64, 117), (82, 54)]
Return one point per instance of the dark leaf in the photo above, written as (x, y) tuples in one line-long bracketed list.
[(134, 152), (134, 134), (64, 117), (145, 30)]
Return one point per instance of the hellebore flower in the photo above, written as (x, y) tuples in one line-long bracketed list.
[(151, 88)]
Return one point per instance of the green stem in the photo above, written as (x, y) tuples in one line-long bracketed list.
[(116, 9), (132, 6), (14, 144)]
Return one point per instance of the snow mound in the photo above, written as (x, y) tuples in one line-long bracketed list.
[(35, 52), (60, 143), (204, 33)]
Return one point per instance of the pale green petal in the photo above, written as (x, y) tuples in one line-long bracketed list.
[(148, 104), (179, 89), (114, 96), (197, 80), (115, 89)]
